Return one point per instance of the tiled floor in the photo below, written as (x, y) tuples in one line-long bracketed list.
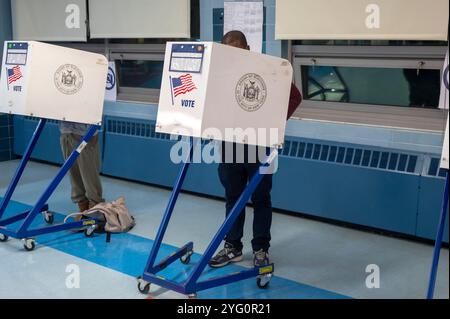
[(312, 259)]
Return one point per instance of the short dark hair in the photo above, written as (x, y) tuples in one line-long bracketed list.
[(235, 36)]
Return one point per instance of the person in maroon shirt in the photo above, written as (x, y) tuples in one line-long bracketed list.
[(234, 177)]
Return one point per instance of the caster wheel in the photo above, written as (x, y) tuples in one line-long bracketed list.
[(89, 232), (263, 281), (3, 238), (49, 217), (29, 244), (143, 286), (186, 259)]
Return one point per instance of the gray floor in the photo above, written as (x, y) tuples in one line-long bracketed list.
[(314, 253)]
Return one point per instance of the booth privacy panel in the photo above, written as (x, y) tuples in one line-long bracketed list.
[(254, 93), (139, 18), (49, 20), (52, 82), (362, 20), (219, 92)]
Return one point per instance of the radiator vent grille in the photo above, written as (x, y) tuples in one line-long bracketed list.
[(354, 156), (339, 154)]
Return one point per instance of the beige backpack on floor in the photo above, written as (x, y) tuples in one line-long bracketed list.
[(118, 218), (114, 217)]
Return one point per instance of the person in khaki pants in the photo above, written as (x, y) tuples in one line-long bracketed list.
[(85, 173)]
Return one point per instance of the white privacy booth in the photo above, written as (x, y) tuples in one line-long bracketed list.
[(52, 82), (209, 88), (49, 82)]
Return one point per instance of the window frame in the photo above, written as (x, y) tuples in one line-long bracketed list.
[(143, 52), (374, 57)]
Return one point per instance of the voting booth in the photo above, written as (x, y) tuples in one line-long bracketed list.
[(209, 89), (444, 164), (444, 209), (49, 82), (52, 82)]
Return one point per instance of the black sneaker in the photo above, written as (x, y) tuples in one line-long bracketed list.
[(226, 256), (261, 258)]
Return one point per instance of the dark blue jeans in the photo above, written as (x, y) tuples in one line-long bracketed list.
[(234, 178)]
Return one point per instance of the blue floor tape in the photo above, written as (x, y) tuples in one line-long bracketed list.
[(128, 253)]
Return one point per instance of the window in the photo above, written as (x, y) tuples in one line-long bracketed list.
[(372, 86), (139, 80), (139, 71), (375, 85)]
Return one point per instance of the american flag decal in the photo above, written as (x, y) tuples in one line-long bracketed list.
[(14, 74), (183, 85)]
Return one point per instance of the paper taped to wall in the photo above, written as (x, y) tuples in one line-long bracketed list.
[(247, 17)]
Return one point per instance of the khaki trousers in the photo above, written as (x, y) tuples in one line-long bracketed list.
[(85, 173)]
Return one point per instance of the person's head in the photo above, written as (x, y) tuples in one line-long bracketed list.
[(235, 39)]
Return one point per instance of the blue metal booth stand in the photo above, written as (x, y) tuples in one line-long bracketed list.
[(438, 243), (444, 205), (41, 207), (192, 284)]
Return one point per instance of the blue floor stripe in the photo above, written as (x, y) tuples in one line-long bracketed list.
[(128, 253)]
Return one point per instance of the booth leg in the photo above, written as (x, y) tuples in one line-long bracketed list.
[(51, 188), (23, 163), (169, 210), (438, 243), (228, 223)]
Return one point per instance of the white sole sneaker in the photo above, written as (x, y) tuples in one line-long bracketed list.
[(233, 260)]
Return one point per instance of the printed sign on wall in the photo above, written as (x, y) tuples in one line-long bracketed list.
[(443, 101), (111, 83)]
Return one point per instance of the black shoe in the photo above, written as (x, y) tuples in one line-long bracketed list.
[(261, 258), (226, 256)]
